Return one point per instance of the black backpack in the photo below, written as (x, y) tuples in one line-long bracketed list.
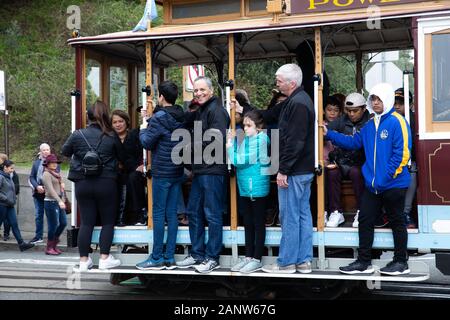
[(92, 163)]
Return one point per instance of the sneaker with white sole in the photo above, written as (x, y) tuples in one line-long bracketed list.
[(395, 268), (355, 223), (304, 267), (85, 265), (336, 218), (207, 266), (276, 268), (108, 263), (187, 262), (357, 267), (242, 263), (252, 266)]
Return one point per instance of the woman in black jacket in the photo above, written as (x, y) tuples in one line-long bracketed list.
[(94, 192), (131, 174)]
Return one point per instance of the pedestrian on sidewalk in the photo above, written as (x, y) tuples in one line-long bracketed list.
[(15, 179), (53, 203), (7, 202), (35, 182)]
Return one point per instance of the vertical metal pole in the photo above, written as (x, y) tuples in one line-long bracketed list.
[(322, 264), (233, 200), (149, 100), (74, 94), (406, 100)]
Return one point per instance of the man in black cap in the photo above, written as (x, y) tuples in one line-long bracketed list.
[(411, 193)]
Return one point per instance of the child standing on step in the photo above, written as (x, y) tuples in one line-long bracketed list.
[(252, 162)]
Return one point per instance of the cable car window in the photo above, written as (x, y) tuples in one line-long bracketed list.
[(141, 84), (93, 80), (441, 77), (206, 8), (118, 88)]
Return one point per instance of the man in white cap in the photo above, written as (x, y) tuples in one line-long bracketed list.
[(346, 164), (386, 140)]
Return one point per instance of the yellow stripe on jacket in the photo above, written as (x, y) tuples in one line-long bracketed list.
[(406, 154)]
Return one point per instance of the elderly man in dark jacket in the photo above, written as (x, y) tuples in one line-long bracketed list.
[(295, 174), (166, 175), (206, 200)]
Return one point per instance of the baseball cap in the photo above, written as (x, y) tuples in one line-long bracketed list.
[(400, 95), (354, 100)]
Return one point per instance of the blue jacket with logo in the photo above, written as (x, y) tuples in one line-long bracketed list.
[(387, 151)]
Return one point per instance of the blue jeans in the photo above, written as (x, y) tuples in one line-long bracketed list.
[(39, 217), (56, 219), (206, 201), (296, 222), (9, 214), (165, 195)]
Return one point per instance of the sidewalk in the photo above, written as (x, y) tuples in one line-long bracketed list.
[(11, 244)]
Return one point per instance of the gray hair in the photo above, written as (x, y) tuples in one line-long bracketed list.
[(207, 80), (43, 145), (291, 72)]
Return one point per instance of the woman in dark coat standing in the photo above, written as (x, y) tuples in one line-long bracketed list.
[(94, 192)]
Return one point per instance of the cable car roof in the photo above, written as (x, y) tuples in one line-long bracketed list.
[(342, 31)]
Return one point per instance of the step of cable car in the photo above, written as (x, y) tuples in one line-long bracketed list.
[(419, 270)]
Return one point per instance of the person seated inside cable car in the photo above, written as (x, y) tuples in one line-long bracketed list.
[(131, 179), (332, 110), (411, 192), (346, 164)]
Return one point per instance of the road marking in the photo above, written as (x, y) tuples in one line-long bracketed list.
[(34, 261)]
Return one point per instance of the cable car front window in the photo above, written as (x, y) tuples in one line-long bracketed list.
[(441, 77)]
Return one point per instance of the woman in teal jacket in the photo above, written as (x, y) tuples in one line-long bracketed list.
[(252, 163)]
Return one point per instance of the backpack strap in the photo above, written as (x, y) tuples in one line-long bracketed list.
[(90, 147)]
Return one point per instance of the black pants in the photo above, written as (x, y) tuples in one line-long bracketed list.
[(136, 194), (254, 222), (96, 196), (393, 201)]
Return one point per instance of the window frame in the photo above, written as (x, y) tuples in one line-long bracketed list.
[(429, 129)]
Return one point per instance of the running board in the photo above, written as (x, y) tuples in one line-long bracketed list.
[(419, 270)]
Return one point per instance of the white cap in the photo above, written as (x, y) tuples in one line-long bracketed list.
[(355, 99)]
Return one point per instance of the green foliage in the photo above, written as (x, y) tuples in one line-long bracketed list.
[(39, 65)]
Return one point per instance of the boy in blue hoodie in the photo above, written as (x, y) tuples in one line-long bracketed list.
[(166, 176), (386, 140)]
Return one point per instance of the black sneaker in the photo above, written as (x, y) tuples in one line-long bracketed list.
[(357, 267), (5, 237), (395, 268), (25, 246)]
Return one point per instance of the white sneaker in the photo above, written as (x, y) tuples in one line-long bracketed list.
[(325, 218), (108, 263), (355, 223), (85, 265), (336, 218)]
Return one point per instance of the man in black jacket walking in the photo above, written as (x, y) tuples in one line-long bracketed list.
[(206, 199)]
